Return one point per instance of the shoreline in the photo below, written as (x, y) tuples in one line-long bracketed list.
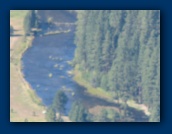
[(100, 93), (35, 97), (26, 87), (94, 92), (25, 105)]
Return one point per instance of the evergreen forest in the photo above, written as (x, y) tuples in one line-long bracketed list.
[(119, 51)]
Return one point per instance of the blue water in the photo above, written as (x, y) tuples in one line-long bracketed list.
[(45, 67)]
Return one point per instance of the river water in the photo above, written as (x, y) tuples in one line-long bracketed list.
[(46, 67)]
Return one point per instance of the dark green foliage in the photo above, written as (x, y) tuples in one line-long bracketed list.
[(155, 114), (27, 23), (33, 19), (108, 115), (103, 117), (50, 115), (59, 119), (30, 21), (113, 116), (119, 51), (78, 113), (60, 101)]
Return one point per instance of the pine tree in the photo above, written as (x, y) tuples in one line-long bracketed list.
[(30, 21), (50, 115), (119, 51), (103, 117), (60, 101), (78, 113)]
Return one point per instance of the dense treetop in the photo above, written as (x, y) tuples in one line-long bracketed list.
[(119, 51)]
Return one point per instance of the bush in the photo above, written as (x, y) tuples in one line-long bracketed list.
[(29, 22), (78, 113), (50, 114), (59, 102)]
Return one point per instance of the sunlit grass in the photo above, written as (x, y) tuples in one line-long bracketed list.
[(17, 14), (99, 92), (133, 104)]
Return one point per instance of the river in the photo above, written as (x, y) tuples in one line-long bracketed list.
[(46, 64)]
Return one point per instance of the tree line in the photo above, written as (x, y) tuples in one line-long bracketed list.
[(30, 22), (79, 113), (119, 51)]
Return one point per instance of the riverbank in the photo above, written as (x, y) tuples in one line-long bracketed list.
[(46, 68), (24, 103), (98, 92)]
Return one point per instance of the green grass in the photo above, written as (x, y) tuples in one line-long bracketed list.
[(17, 14), (133, 104), (99, 92), (56, 32), (18, 51), (35, 98)]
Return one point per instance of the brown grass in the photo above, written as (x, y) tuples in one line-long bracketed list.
[(23, 100)]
